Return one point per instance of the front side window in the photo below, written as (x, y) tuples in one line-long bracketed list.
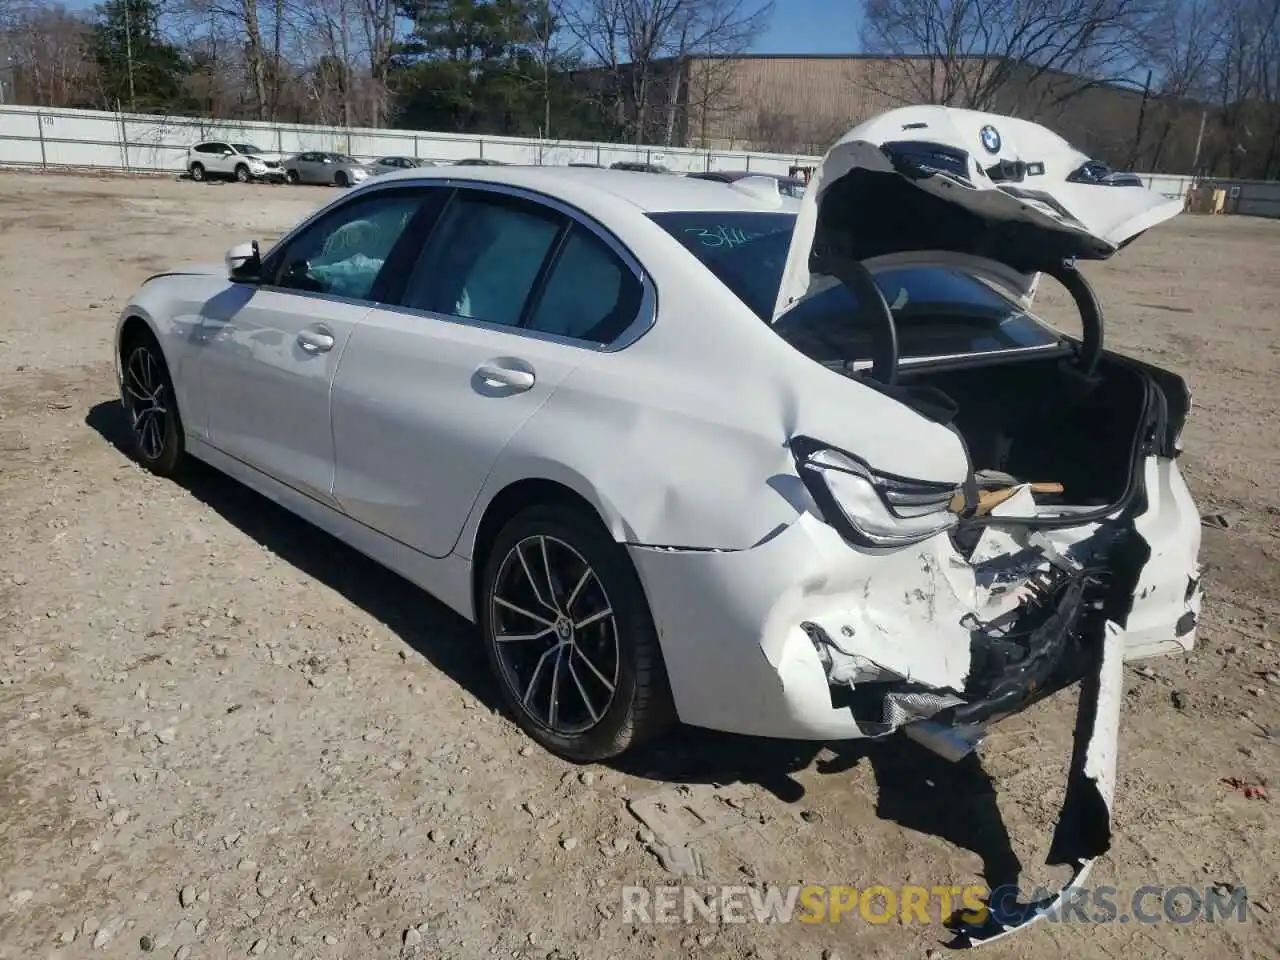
[(483, 258), (343, 253), (938, 311)]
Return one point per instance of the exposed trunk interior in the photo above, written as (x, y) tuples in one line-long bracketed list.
[(1039, 422)]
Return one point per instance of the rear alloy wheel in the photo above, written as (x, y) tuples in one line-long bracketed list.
[(340, 178), (153, 413), (242, 173), (568, 632), (291, 176), (197, 172)]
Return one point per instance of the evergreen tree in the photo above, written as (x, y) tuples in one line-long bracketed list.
[(137, 68)]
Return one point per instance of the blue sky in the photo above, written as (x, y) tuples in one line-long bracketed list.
[(812, 26), (797, 26)]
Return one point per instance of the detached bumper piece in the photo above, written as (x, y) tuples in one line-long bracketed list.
[(1057, 635), (1083, 831)]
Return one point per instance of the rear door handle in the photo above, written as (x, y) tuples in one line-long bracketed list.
[(518, 380), (315, 341)]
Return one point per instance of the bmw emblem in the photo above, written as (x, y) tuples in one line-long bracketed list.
[(990, 138)]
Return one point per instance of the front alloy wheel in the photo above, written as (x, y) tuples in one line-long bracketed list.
[(153, 417), (569, 635)]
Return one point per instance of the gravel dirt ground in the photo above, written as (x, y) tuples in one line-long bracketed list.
[(225, 734)]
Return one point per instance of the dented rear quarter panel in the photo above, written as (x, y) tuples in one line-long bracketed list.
[(681, 438)]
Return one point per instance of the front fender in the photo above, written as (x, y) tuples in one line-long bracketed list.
[(171, 306)]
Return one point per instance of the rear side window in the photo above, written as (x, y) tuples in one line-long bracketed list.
[(483, 258), (589, 295), (515, 262)]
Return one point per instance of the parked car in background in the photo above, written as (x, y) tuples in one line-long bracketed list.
[(787, 186), (391, 164), (479, 162), (223, 159), (637, 167), (326, 168)]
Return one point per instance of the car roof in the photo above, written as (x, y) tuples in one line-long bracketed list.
[(599, 189)]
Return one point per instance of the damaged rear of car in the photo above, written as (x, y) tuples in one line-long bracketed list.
[(940, 602)]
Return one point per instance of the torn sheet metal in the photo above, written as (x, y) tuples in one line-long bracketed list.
[(1083, 832), (964, 631)]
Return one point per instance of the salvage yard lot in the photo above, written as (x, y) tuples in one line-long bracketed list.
[(225, 734)]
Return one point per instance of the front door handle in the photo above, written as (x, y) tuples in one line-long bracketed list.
[(316, 341), (514, 379)]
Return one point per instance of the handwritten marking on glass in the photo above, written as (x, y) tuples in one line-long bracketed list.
[(722, 236)]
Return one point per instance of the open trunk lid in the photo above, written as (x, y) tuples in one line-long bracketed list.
[(971, 183)]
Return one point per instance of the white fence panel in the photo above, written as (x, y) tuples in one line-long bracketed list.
[(31, 136), (40, 137)]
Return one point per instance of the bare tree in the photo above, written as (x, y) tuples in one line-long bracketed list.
[(44, 49), (242, 19), (1181, 43), (325, 39), (378, 23), (1015, 55), (644, 49), (1247, 141)]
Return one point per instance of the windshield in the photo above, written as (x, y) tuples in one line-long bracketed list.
[(245, 148), (938, 311)]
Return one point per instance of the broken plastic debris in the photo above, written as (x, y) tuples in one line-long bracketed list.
[(1083, 832), (1251, 791)]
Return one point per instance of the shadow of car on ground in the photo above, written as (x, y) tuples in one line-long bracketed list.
[(916, 789)]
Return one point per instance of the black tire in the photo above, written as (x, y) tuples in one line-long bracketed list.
[(155, 428), (291, 176), (340, 178), (640, 706), (197, 172), (242, 173)]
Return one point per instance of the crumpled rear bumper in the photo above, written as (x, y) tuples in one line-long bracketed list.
[(806, 637)]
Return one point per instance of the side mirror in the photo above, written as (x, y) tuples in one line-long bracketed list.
[(244, 262)]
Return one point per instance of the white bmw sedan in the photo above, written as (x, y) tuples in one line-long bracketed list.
[(687, 450)]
